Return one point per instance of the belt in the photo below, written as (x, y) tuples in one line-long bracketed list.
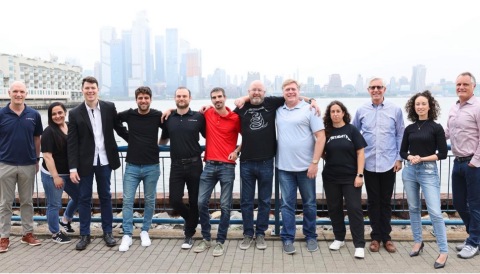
[(463, 159), (186, 160), (218, 163)]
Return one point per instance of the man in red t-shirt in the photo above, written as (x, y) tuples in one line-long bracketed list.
[(221, 152)]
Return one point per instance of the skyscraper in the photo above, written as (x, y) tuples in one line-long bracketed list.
[(194, 71), (418, 78), (107, 34), (142, 71), (172, 63), (159, 59)]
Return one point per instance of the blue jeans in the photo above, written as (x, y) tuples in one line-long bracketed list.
[(250, 173), (424, 175), (466, 198), (102, 177), (131, 179), (212, 173), (289, 182), (54, 200)]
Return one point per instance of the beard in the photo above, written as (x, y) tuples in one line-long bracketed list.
[(182, 105)]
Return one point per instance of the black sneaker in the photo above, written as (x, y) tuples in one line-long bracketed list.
[(187, 243), (61, 238), (67, 226)]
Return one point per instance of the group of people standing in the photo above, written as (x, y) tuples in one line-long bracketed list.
[(286, 132)]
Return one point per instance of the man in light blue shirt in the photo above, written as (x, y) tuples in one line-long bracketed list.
[(301, 139), (381, 124)]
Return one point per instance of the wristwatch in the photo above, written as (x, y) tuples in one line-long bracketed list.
[(360, 175), (315, 162)]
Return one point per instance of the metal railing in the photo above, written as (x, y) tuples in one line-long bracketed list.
[(399, 201)]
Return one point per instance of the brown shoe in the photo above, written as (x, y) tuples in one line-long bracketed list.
[(30, 239), (4, 243), (389, 246), (374, 246)]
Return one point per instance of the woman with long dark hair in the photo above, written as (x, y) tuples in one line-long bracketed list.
[(343, 176), (423, 144), (55, 173)]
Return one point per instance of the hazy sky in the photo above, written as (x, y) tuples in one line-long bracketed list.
[(312, 38)]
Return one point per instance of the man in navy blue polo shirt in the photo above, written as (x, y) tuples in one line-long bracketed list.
[(183, 130), (20, 130)]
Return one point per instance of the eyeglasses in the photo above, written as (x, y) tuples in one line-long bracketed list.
[(375, 87)]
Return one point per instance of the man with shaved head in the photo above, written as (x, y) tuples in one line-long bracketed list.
[(259, 146), (20, 130)]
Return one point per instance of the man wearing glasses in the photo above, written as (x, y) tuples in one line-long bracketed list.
[(381, 124)]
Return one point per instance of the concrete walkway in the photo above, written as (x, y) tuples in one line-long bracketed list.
[(165, 255)]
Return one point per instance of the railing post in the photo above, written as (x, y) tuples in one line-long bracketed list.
[(276, 230)]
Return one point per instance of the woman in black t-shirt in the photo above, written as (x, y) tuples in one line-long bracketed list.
[(423, 144), (343, 176), (56, 175)]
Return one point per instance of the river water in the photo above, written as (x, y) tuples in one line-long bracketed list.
[(351, 103)]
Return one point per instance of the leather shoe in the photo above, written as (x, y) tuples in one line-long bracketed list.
[(389, 246), (438, 265), (374, 246), (84, 242), (109, 240), (417, 252)]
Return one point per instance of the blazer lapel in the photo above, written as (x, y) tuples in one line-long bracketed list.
[(84, 113), (103, 111)]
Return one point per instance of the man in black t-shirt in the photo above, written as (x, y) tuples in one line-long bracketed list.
[(258, 149), (142, 164), (182, 129)]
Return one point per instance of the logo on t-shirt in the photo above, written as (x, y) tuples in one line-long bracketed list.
[(257, 122), (343, 136)]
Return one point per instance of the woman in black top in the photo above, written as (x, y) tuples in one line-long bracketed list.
[(55, 173), (423, 144), (343, 176)]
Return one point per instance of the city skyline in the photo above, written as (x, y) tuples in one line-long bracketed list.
[(302, 39)]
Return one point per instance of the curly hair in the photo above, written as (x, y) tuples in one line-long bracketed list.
[(433, 112), (327, 119)]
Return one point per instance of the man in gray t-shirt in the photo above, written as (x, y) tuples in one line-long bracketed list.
[(301, 139)]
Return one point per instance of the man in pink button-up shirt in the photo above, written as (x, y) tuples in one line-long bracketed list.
[(463, 129)]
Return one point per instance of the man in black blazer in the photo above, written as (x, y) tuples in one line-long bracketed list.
[(92, 150)]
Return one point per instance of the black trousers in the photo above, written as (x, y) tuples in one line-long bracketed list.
[(379, 187), (181, 175), (353, 201)]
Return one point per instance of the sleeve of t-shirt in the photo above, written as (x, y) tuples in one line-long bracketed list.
[(357, 138), (38, 126), (164, 127), (122, 116), (47, 141), (275, 101)]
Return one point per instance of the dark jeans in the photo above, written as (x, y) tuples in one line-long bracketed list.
[(466, 198), (181, 175), (102, 177), (353, 200), (250, 173), (379, 187), (212, 173)]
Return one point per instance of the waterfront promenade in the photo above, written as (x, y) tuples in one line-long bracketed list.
[(165, 255)]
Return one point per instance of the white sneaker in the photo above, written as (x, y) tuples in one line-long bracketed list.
[(359, 253), (126, 243), (336, 245), (145, 238)]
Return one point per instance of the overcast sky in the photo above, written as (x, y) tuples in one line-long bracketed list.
[(311, 38)]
